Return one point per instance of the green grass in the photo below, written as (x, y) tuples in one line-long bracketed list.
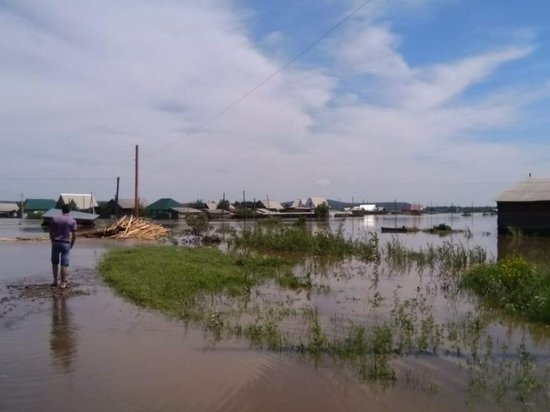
[(173, 279), (514, 284), (298, 240)]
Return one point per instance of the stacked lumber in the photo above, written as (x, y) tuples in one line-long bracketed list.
[(131, 228)]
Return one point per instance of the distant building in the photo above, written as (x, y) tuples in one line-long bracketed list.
[(37, 207), (81, 202), (525, 206), (8, 209), (313, 202), (124, 207), (269, 204), (163, 209), (308, 204), (298, 204)]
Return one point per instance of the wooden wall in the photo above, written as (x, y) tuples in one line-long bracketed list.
[(525, 216)]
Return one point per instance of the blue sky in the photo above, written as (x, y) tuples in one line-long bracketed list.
[(430, 101)]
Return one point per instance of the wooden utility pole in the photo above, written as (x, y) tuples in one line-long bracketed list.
[(136, 194), (117, 208)]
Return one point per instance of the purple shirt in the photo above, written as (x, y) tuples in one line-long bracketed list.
[(62, 228)]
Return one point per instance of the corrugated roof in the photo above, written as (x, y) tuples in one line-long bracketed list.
[(164, 203), (271, 204), (82, 201), (316, 201), (39, 204), (529, 190)]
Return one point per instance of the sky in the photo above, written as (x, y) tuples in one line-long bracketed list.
[(423, 101)]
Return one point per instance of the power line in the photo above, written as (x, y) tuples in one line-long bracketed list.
[(302, 52)]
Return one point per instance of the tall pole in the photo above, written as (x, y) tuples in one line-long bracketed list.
[(245, 210), (117, 207), (136, 194)]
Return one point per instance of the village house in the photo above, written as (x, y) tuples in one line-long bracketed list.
[(164, 209), (81, 202), (270, 205), (124, 207), (525, 206), (37, 207), (8, 209)]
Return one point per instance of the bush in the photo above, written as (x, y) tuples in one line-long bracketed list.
[(514, 284)]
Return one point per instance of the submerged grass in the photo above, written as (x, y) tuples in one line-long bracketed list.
[(449, 256), (299, 240), (173, 279), (514, 284), (191, 283)]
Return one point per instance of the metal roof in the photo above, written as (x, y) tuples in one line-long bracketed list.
[(74, 213), (39, 204), (529, 190), (82, 201), (164, 203), (8, 207), (271, 204)]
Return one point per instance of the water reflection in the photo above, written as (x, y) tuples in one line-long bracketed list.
[(533, 248), (63, 340)]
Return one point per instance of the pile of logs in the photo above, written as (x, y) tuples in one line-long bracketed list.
[(129, 227)]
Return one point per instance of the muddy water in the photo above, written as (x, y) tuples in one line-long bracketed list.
[(91, 350)]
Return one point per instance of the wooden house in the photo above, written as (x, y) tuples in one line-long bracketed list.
[(525, 207)]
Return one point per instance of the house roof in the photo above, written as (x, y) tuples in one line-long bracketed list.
[(271, 204), (130, 203), (529, 190), (8, 207), (212, 205), (299, 203), (82, 201), (316, 201), (164, 203), (40, 204), (187, 210)]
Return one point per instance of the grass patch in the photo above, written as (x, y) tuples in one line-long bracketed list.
[(448, 257), (514, 284), (298, 240), (174, 279)]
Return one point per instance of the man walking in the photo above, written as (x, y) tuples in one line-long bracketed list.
[(63, 235)]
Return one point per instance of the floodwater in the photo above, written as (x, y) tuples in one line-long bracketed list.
[(92, 350)]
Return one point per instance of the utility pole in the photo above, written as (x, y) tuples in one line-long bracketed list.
[(116, 196), (244, 208), (136, 194)]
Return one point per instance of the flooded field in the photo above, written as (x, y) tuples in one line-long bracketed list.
[(91, 349)]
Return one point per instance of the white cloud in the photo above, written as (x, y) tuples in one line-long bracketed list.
[(83, 82)]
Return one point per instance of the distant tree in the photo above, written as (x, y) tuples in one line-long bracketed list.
[(322, 211), (198, 223), (197, 204), (224, 204), (72, 205)]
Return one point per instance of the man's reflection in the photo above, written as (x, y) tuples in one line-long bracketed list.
[(63, 335)]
